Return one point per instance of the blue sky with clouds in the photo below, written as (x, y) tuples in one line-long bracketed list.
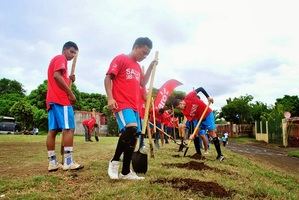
[(231, 48)]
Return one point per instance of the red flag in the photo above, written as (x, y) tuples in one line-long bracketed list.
[(164, 92)]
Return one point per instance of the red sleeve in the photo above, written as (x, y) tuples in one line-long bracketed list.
[(115, 65), (60, 63)]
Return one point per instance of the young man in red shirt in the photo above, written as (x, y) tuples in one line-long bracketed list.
[(193, 107), (60, 110), (122, 84)]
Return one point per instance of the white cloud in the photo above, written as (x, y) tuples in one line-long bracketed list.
[(231, 48)]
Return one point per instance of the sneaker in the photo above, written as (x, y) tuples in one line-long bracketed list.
[(54, 167), (206, 152), (113, 169), (220, 158), (72, 166), (130, 176)]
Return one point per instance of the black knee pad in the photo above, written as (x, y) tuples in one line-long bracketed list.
[(129, 135)]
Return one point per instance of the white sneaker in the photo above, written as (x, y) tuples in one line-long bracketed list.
[(113, 169), (206, 152), (220, 158), (54, 167), (130, 176), (72, 166)]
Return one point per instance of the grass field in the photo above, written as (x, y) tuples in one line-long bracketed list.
[(23, 174)]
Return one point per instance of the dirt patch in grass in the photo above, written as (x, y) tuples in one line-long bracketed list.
[(195, 156), (190, 165), (258, 196), (176, 156), (206, 188), (196, 166)]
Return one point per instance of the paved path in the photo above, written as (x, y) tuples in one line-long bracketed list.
[(268, 154)]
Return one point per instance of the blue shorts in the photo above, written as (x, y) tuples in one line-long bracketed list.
[(194, 122), (61, 117), (127, 116), (208, 124)]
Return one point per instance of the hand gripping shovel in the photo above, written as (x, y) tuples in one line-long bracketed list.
[(195, 132)]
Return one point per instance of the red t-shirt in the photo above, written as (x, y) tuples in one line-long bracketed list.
[(89, 123), (194, 107), (54, 93), (126, 83), (174, 122), (158, 116), (166, 118)]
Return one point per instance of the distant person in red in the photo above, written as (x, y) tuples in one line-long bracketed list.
[(122, 84), (89, 125), (193, 107), (60, 99), (157, 134), (165, 120)]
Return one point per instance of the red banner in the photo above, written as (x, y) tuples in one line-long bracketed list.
[(164, 92)]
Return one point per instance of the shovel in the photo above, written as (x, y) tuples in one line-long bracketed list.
[(139, 157), (196, 128), (166, 134)]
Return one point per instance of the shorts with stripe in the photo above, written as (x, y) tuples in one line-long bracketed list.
[(208, 124), (61, 117), (127, 116)]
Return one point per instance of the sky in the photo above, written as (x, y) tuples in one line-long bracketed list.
[(230, 48)]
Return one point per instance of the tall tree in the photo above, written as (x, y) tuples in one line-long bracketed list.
[(237, 110), (7, 101), (93, 100), (290, 104), (11, 91), (37, 97), (11, 86), (258, 110)]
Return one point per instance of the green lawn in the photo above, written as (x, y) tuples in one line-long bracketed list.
[(293, 154), (23, 174)]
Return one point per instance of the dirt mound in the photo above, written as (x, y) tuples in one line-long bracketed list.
[(190, 165), (206, 188), (197, 157), (197, 166), (176, 156)]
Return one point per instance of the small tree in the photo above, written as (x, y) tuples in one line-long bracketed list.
[(23, 113), (111, 122), (40, 118)]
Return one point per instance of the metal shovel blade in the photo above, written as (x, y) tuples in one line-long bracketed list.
[(186, 151), (139, 162)]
